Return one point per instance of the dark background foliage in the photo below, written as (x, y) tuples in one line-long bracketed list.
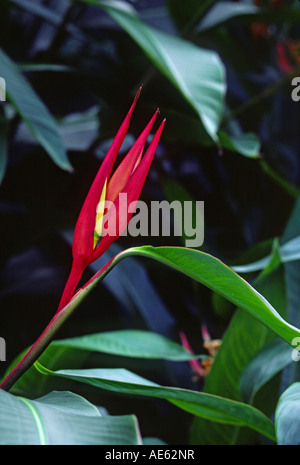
[(90, 69)]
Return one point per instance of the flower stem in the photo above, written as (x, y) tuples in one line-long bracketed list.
[(65, 308), (73, 280), (38, 347), (56, 322), (59, 318)]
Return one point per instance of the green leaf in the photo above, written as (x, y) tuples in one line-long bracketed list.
[(263, 367), (246, 144), (61, 418), (187, 129), (291, 240), (222, 12), (218, 277), (287, 417), (204, 88), (73, 352), (243, 338), (207, 270), (129, 343), (149, 441), (32, 384), (226, 12), (205, 405), (33, 111), (289, 251)]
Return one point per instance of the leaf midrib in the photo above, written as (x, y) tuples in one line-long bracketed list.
[(37, 419)]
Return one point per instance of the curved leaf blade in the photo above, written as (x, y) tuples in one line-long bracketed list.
[(287, 417), (61, 418), (289, 252), (218, 277), (204, 88), (33, 112), (72, 353), (267, 363), (197, 403), (129, 343), (243, 338)]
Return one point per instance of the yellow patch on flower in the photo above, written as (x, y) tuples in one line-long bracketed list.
[(99, 215)]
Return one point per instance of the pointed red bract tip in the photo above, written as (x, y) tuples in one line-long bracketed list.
[(84, 230), (120, 177)]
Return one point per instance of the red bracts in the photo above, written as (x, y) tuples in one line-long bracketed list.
[(102, 201)]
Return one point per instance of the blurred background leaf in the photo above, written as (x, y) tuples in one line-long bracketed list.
[(33, 112)]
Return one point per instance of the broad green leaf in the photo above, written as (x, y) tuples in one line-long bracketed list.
[(73, 352), (291, 240), (129, 343), (243, 338), (264, 366), (287, 417), (61, 418), (33, 111), (203, 268), (205, 405), (290, 254), (292, 276), (203, 89), (211, 272), (218, 277)]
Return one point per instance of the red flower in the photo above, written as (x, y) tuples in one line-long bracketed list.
[(282, 58), (129, 178)]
